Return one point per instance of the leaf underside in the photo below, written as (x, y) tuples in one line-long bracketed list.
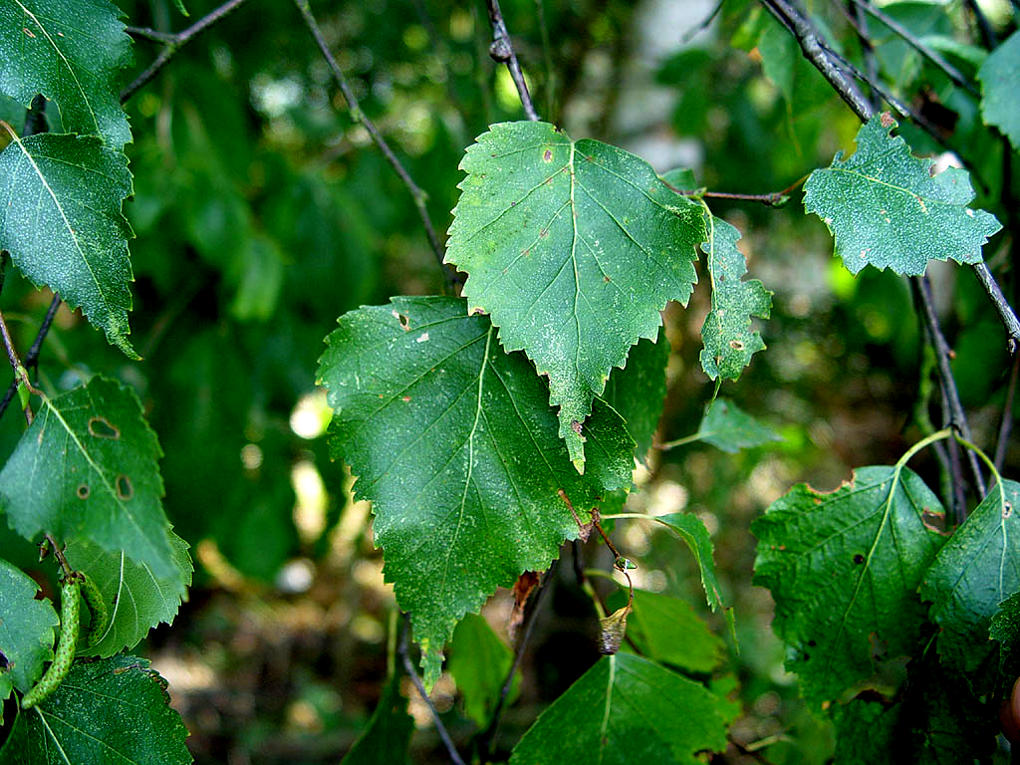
[(844, 569), (573, 248), (61, 221), (885, 209), (137, 599), (454, 443)]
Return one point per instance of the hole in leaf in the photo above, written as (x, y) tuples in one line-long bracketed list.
[(405, 323), (858, 559), (124, 488), (1007, 509), (83, 491), (100, 427), (737, 345)]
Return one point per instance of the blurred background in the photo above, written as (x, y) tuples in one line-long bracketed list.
[(262, 213)]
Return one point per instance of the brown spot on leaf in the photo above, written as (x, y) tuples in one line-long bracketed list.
[(83, 491), (737, 345), (28, 32), (544, 232), (125, 489), (100, 427), (576, 427), (405, 399), (547, 156), (887, 120)]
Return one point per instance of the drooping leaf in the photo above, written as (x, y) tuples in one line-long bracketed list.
[(1005, 629), (454, 443), (844, 569), (1000, 79), (388, 735), (112, 710), (87, 469), (625, 709), (26, 630), (728, 427), (667, 629), (638, 390), (727, 335), (573, 248), (885, 209), (63, 226), (71, 51), (975, 570), (691, 529), (479, 662), (136, 598)]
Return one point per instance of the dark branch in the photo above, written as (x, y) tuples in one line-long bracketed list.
[(933, 56), (859, 22), (172, 44), (502, 50), (20, 376), (1009, 318), (405, 658), (487, 736), (1006, 426), (984, 26), (690, 34), (354, 108), (958, 419)]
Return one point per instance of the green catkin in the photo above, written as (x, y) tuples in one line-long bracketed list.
[(97, 607), (70, 605)]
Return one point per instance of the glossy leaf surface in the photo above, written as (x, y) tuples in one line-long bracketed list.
[(454, 443)]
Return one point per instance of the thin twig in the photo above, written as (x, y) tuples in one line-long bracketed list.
[(1009, 318), (354, 109), (855, 15), (1006, 426), (943, 353), (487, 736), (693, 32), (984, 26), (20, 376), (502, 50), (405, 658), (933, 56), (32, 357), (172, 44)]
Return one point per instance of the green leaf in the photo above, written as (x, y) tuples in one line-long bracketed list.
[(62, 224), (975, 570), (386, 739), (625, 709), (638, 390), (573, 248), (454, 443), (1005, 629), (728, 427), (844, 569), (727, 335), (691, 529), (71, 51), (112, 710), (1000, 80), (26, 630), (885, 209), (137, 599), (667, 629), (479, 662), (87, 469)]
